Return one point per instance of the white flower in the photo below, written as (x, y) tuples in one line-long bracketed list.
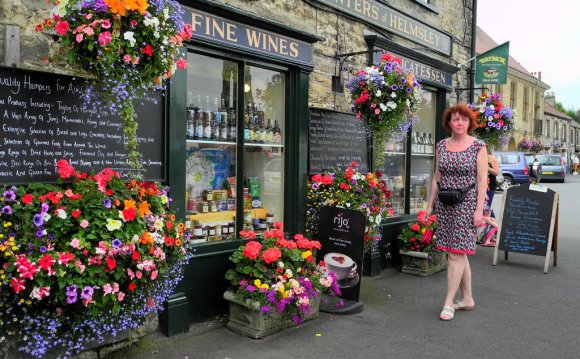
[(378, 219), (151, 21), (379, 93), (60, 213), (391, 105), (383, 106), (347, 204), (165, 12), (128, 35), (393, 94), (46, 217)]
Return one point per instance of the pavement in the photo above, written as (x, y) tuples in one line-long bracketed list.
[(520, 313)]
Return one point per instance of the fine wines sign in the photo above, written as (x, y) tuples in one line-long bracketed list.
[(335, 140), (44, 119)]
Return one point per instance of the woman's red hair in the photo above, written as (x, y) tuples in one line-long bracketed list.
[(464, 111)]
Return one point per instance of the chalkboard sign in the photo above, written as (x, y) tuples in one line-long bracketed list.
[(44, 119), (529, 222), (335, 140)]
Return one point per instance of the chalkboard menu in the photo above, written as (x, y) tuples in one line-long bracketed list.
[(335, 140), (44, 119), (529, 221)]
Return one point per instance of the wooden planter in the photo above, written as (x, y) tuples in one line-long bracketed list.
[(247, 319), (419, 264)]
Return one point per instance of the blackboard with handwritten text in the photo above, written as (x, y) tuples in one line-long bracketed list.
[(527, 220), (335, 140), (44, 119)]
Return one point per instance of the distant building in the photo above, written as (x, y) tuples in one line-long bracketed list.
[(558, 125), (523, 92)]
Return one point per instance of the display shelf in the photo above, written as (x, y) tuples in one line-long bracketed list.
[(263, 145), (212, 142), (428, 155), (224, 215), (394, 153)]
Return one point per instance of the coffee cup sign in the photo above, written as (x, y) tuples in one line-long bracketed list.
[(340, 264), (341, 232)]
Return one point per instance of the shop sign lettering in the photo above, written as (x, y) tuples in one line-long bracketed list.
[(422, 71), (231, 33), (392, 20)]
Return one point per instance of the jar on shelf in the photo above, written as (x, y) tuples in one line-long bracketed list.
[(203, 207), (213, 206), (208, 195), (198, 230), (270, 219)]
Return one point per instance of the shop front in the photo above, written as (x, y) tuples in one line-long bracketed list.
[(236, 124)]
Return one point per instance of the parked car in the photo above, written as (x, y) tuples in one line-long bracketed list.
[(552, 167), (514, 167)]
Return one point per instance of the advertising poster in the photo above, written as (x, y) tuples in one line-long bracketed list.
[(341, 233)]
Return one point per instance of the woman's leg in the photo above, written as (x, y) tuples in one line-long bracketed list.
[(455, 272), (490, 195), (465, 285)]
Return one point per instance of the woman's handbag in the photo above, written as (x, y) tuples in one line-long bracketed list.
[(452, 197), (499, 179)]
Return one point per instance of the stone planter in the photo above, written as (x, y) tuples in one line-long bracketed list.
[(245, 318), (418, 263)]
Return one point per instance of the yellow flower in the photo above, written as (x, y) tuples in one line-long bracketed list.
[(113, 224), (265, 286), (306, 254), (257, 283), (423, 230), (286, 294)]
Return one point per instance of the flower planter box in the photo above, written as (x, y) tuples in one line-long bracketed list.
[(245, 318), (419, 264)]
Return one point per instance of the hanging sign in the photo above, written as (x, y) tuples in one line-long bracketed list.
[(394, 21), (231, 33), (492, 66), (529, 223)]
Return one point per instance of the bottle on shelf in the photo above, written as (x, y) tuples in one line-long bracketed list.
[(206, 120), (430, 144), (232, 125), (198, 120), (277, 134), (215, 120), (190, 129), (223, 121), (414, 144), (252, 128)]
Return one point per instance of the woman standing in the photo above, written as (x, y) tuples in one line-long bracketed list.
[(461, 163)]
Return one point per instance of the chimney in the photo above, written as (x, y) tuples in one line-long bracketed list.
[(550, 98), (537, 75)]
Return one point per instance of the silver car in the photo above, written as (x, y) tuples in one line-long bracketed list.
[(552, 167)]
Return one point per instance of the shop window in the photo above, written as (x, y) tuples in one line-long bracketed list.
[(526, 102), (214, 146), (513, 91)]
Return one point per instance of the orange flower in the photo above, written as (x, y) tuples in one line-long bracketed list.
[(172, 217), (178, 242), (117, 7), (181, 226), (146, 238), (144, 209), (130, 204), (139, 5)]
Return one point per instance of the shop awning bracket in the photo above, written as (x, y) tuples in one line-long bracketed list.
[(337, 85)]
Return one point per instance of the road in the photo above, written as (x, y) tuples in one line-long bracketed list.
[(521, 313)]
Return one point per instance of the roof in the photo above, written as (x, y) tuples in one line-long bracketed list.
[(551, 110), (484, 42)]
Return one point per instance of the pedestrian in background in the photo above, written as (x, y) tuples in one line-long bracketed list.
[(576, 162), (492, 172), (461, 163)]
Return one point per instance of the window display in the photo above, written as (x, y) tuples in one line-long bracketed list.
[(394, 172), (213, 146), (423, 153)]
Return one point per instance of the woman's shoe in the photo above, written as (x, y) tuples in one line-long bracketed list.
[(448, 313), (460, 306)]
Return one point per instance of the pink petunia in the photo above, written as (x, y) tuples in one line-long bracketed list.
[(89, 16), (134, 22), (75, 243), (79, 38), (84, 223), (106, 24), (154, 275), (181, 64), (61, 27), (135, 60), (104, 38), (120, 296), (80, 266), (127, 58), (89, 31), (377, 111), (107, 289)]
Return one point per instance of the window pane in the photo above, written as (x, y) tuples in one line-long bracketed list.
[(264, 136), (210, 127)]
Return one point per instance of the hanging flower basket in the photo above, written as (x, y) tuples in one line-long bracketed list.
[(130, 47), (495, 122), (525, 144), (385, 97), (85, 259)]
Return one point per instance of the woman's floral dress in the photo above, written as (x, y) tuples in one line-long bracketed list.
[(455, 231)]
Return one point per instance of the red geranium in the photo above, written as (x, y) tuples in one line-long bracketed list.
[(27, 198), (252, 249), (271, 254)]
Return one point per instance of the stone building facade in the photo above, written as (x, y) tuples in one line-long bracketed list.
[(341, 33)]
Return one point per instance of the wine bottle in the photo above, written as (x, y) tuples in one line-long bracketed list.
[(190, 130)]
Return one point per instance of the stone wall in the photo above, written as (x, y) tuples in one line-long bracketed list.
[(341, 34)]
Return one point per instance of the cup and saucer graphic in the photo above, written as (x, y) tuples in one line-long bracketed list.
[(343, 267)]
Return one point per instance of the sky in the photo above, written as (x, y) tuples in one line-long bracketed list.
[(543, 36)]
